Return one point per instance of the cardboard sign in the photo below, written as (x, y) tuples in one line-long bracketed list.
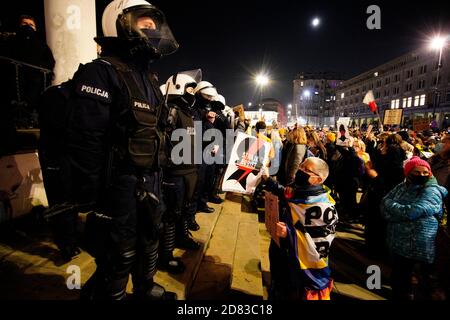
[(272, 215), (393, 117), (240, 110), (344, 120), (421, 124)]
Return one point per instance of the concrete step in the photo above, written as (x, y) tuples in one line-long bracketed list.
[(264, 242), (214, 276), (181, 283), (246, 273), (231, 265)]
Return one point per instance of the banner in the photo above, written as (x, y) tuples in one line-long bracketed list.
[(248, 156), (393, 117), (272, 216), (421, 124)]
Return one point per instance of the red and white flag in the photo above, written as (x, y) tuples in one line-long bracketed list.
[(370, 101)]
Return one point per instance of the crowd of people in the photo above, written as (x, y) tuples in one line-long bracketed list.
[(393, 182), (114, 159)]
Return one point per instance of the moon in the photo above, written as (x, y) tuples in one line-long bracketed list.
[(315, 22)]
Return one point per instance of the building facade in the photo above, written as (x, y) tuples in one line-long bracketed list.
[(270, 110), (408, 82), (314, 99)]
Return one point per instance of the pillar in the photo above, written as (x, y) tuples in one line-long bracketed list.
[(70, 29)]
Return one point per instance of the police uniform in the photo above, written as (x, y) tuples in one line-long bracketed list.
[(179, 185), (105, 129), (205, 171), (116, 143)]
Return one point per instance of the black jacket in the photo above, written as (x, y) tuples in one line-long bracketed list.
[(103, 120)]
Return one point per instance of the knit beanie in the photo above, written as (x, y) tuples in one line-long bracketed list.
[(415, 162)]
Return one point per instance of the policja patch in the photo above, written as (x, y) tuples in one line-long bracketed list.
[(93, 92)]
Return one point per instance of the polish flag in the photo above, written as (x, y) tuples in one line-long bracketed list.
[(370, 101)]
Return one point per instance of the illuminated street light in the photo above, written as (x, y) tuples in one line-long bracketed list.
[(249, 104), (437, 43), (289, 106), (262, 80)]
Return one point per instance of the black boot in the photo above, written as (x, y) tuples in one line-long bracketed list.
[(153, 291), (157, 292), (184, 239), (215, 199), (166, 260), (192, 224)]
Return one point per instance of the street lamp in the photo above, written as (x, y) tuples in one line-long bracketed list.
[(437, 43), (261, 80)]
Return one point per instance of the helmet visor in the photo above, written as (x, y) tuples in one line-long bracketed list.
[(157, 32)]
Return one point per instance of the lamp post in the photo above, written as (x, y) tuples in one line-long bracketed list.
[(438, 43), (306, 96), (261, 80)]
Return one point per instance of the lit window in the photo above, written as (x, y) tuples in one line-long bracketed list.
[(301, 84), (422, 100), (409, 102), (342, 95), (375, 74), (416, 101), (397, 103), (404, 103), (392, 104)]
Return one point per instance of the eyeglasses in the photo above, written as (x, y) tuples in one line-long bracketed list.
[(308, 171)]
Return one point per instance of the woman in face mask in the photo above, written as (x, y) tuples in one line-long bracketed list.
[(412, 210)]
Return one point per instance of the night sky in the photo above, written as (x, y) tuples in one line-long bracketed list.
[(231, 41)]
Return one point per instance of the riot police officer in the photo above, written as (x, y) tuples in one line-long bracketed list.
[(115, 144), (223, 122), (204, 94), (180, 176)]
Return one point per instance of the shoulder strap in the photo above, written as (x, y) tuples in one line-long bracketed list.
[(125, 73)]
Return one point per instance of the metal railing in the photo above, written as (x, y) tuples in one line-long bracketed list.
[(18, 103)]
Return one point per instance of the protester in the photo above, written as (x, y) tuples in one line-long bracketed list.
[(299, 267), (316, 146), (412, 210), (293, 155)]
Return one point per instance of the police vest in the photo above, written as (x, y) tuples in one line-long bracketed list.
[(145, 141)]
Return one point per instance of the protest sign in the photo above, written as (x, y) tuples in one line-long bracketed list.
[(248, 156)]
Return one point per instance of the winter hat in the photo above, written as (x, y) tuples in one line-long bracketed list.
[(331, 137), (415, 162)]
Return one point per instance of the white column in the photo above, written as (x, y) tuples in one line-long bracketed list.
[(70, 28)]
